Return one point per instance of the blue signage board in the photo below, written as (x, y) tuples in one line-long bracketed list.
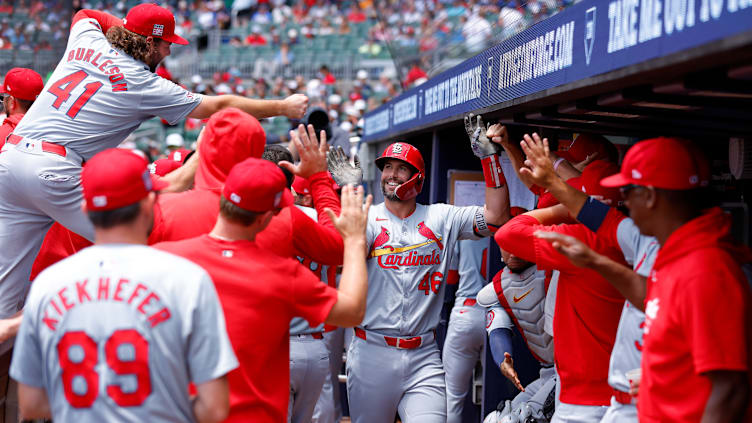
[(590, 38)]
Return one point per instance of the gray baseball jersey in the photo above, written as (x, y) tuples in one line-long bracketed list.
[(465, 334), (98, 95), (407, 263), (298, 325), (116, 333), (639, 251)]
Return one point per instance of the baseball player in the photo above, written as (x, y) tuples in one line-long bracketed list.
[(465, 334), (309, 354), (20, 88), (639, 251), (117, 332), (102, 89), (517, 297), (691, 371), (259, 310), (393, 362), (587, 306)]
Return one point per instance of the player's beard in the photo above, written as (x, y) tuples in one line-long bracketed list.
[(391, 196)]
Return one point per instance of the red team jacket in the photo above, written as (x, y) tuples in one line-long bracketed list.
[(588, 308), (698, 318)]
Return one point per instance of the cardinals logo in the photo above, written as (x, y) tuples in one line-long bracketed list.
[(428, 233), (381, 239)]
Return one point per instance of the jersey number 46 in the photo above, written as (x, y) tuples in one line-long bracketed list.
[(85, 367)]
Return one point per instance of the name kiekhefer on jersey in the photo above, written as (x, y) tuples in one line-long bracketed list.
[(87, 55), (141, 297)]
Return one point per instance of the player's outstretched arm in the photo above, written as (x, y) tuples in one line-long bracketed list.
[(496, 212), (631, 285), (33, 402), (350, 307), (293, 106), (212, 404)]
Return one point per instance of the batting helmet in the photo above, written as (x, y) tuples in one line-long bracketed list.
[(410, 155)]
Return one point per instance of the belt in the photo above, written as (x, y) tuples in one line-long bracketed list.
[(469, 302), (410, 343), (47, 147), (623, 397), (317, 335)]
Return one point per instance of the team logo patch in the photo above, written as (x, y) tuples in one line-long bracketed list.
[(397, 149), (636, 174), (235, 198), (227, 253), (99, 201), (158, 30)]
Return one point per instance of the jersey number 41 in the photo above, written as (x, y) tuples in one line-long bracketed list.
[(86, 367)]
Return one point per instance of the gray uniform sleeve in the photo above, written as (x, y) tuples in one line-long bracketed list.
[(465, 219), (628, 236), (167, 100), (27, 366), (210, 353)]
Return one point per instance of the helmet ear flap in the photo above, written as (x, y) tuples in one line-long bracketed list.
[(411, 188)]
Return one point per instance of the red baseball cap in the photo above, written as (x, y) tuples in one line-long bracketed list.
[(151, 20), (667, 163), (257, 185), (116, 178), (22, 83), (179, 155), (546, 199), (588, 144), (162, 167), (591, 178), (301, 185)]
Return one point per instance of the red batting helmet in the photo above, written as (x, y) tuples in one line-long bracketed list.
[(410, 155)]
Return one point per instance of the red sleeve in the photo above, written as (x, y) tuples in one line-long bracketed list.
[(315, 241), (715, 311), (324, 197), (106, 21), (608, 229), (158, 229), (59, 243), (516, 237), (535, 189), (312, 299)]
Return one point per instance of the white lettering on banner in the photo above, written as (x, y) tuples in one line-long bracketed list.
[(636, 21), (405, 109), (377, 122), (453, 91), (541, 56)]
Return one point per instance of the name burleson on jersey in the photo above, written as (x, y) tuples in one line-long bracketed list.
[(117, 79), (122, 290)]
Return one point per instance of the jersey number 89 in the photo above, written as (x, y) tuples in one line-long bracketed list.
[(86, 367)]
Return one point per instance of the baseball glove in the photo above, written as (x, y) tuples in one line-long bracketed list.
[(344, 172), (479, 142)]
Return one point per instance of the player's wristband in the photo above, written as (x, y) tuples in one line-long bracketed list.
[(492, 171), (557, 163)]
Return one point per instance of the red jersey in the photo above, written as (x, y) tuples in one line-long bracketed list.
[(588, 308), (697, 319), (7, 127), (260, 293)]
